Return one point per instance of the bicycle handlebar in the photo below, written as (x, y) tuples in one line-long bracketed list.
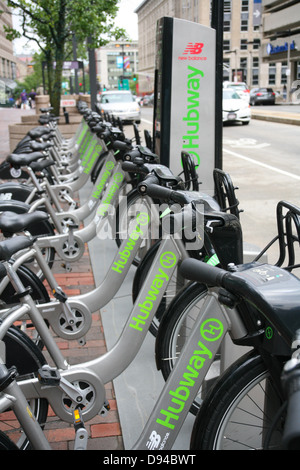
[(151, 187), (132, 167), (198, 271)]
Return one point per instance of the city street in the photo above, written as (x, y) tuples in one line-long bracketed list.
[(263, 161)]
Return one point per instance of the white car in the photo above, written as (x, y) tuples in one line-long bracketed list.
[(240, 87), (121, 104), (235, 109)]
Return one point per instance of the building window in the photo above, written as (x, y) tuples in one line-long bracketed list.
[(245, 6), (244, 15), (243, 66), (283, 73), (244, 44), (226, 45), (256, 43), (244, 24), (255, 71), (272, 74), (227, 15)]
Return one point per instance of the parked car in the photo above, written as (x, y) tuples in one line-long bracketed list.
[(235, 109), (262, 96), (240, 87), (148, 100), (121, 104)]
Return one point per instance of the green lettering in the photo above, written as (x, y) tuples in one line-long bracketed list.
[(166, 422), (195, 72)]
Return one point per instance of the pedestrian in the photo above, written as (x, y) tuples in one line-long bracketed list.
[(23, 97), (32, 96), (284, 93)]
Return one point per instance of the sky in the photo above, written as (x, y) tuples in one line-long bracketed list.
[(126, 19)]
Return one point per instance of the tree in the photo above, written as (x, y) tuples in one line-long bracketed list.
[(52, 24)]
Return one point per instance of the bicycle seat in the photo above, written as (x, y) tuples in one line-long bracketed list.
[(46, 110), (39, 131), (40, 166), (11, 246), (11, 223), (23, 159), (40, 146)]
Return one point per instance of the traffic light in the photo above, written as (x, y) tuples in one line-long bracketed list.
[(134, 78)]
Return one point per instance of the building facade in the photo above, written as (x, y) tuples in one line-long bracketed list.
[(8, 68), (117, 65), (243, 56), (281, 42)]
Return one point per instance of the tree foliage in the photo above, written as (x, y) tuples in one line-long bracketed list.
[(52, 24)]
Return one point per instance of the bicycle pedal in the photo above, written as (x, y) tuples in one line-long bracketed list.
[(105, 409), (48, 377), (81, 435)]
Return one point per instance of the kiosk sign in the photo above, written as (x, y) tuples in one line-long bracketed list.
[(185, 97)]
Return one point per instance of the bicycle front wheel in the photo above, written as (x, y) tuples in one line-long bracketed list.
[(26, 356), (238, 412)]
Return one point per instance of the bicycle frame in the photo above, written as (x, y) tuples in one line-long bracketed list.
[(91, 301), (70, 246), (166, 419)]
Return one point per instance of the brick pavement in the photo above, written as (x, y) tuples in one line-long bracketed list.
[(104, 432)]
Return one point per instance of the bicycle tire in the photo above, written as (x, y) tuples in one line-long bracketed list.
[(239, 395), (29, 279), (22, 353), (6, 443), (17, 191)]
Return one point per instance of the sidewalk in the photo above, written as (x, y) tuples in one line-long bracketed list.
[(104, 433), (278, 114)]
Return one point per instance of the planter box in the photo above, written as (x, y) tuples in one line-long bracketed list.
[(19, 130)]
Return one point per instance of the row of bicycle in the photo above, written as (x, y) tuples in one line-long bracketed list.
[(191, 290)]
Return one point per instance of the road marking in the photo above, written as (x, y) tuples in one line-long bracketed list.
[(269, 167), (245, 143), (148, 122)]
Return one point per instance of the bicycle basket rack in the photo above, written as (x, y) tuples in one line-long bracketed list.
[(225, 193), (288, 236), (189, 171), (148, 140)]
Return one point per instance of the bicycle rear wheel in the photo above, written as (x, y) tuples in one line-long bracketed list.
[(238, 412)]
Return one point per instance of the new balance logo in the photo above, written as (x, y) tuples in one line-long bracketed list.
[(154, 441), (194, 48)]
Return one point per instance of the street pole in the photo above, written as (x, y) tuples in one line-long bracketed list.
[(93, 79), (217, 24), (74, 44)]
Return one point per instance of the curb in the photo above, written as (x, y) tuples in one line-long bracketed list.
[(294, 120)]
